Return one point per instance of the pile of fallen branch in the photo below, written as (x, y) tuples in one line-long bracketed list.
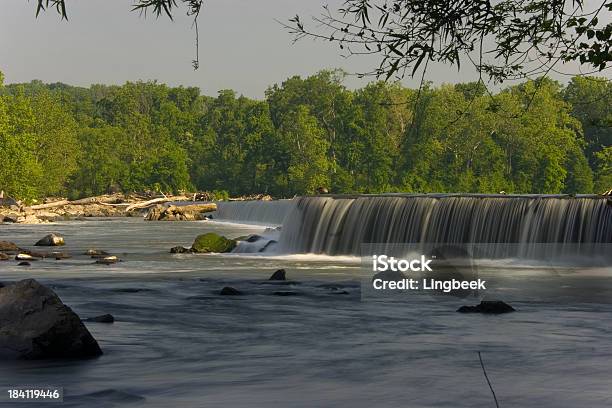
[(116, 200)]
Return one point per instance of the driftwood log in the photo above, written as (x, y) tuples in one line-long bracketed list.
[(105, 199), (110, 201), (155, 201)]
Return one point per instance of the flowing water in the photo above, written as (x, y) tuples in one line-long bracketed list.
[(176, 342)]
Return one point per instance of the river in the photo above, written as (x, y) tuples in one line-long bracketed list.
[(176, 342)]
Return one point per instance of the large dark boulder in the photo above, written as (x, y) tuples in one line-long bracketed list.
[(488, 307), (212, 242), (51, 240), (35, 324)]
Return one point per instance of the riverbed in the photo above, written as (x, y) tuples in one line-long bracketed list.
[(176, 342)]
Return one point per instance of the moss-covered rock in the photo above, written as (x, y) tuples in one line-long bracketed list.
[(212, 242)]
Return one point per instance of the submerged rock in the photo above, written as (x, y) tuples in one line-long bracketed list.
[(96, 253), (180, 250), (35, 324), (285, 293), (249, 238), (229, 291), (59, 255), (108, 260), (35, 254), (24, 263), (212, 242), (105, 318), (6, 246), (268, 245), (51, 240), (279, 275), (4, 257), (132, 290), (488, 307)]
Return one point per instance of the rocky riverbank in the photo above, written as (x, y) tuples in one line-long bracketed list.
[(59, 209), (153, 208)]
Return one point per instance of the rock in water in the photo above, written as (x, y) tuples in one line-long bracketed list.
[(107, 260), (268, 245), (6, 246), (488, 307), (59, 255), (279, 275), (180, 250), (285, 293), (24, 263), (212, 242), (105, 318), (154, 213), (96, 253), (35, 324), (51, 240), (229, 291), (10, 218), (4, 257), (24, 257)]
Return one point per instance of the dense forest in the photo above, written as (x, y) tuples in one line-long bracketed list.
[(535, 137)]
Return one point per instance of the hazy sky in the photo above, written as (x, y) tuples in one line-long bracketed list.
[(242, 47)]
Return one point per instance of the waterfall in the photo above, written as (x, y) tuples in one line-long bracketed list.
[(337, 225), (256, 212)]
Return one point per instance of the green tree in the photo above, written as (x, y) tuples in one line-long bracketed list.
[(101, 165), (305, 145), (20, 173), (590, 100), (603, 170), (57, 149)]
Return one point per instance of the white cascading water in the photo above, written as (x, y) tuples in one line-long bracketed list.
[(339, 225)]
